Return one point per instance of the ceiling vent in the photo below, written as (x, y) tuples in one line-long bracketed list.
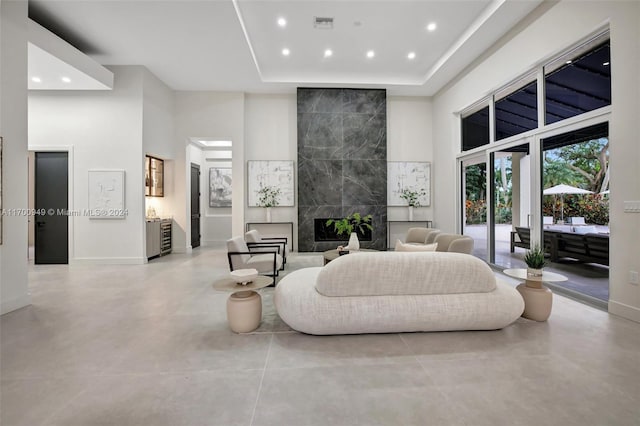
[(322, 23)]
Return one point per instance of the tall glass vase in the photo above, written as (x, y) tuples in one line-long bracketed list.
[(410, 213), (268, 214)]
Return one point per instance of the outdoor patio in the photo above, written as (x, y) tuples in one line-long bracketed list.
[(588, 279)]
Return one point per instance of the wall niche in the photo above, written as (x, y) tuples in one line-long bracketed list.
[(342, 161)]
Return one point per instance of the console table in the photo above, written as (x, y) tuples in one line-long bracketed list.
[(266, 225), (427, 224)]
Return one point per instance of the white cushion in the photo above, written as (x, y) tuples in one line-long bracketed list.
[(400, 246), (585, 229), (391, 273), (264, 262)]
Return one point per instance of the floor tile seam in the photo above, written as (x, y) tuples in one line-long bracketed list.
[(62, 407), (41, 377), (264, 371), (345, 364)]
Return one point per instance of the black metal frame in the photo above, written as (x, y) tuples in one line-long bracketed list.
[(251, 253), (281, 241)]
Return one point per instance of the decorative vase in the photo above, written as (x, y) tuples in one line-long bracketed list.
[(534, 273), (268, 212), (410, 213), (354, 243)]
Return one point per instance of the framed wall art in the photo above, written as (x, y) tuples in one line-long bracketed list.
[(106, 194), (220, 187), (410, 175), (277, 174)]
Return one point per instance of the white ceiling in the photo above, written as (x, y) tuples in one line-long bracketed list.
[(235, 45)]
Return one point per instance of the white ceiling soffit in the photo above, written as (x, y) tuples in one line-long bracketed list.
[(392, 29), (53, 64)]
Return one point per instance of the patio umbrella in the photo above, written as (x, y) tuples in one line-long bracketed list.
[(564, 189)]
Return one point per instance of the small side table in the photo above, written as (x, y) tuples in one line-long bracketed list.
[(244, 306), (538, 299)]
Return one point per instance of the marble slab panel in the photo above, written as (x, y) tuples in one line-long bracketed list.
[(342, 153), (319, 182), (320, 136), (320, 100), (364, 182), (365, 101), (365, 136)]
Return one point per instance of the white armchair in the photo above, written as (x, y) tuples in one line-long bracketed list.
[(241, 257), (419, 235), (454, 243), (256, 242)]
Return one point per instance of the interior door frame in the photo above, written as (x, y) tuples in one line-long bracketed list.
[(71, 206), (199, 167)]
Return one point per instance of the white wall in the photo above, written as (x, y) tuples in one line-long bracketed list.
[(158, 140), (213, 115), (271, 134), (409, 133), (14, 290), (104, 129), (555, 30)]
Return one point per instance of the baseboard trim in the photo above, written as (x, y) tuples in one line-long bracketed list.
[(620, 309), (108, 261), (14, 304)]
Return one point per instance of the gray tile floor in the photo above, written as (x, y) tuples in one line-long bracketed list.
[(149, 345)]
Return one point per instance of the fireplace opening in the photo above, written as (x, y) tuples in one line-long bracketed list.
[(322, 232)]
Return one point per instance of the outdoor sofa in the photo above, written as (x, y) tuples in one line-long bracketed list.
[(587, 247)]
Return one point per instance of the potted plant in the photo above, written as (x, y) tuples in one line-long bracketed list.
[(411, 197), (349, 225), (268, 196), (534, 258)]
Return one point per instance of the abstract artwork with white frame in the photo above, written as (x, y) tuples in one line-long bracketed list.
[(408, 175), (106, 194), (278, 174), (220, 186)]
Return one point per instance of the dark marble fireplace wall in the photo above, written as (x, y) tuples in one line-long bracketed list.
[(342, 160)]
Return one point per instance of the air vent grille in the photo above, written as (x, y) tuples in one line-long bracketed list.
[(322, 23)]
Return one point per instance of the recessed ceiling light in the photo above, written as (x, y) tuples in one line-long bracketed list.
[(432, 26), (66, 79), (36, 79), (282, 22), (411, 55), (568, 62), (328, 53), (371, 54), (606, 64), (286, 51)]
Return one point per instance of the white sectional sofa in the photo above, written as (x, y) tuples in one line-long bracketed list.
[(385, 292)]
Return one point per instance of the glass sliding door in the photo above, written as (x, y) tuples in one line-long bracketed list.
[(575, 208), (474, 201), (511, 195)]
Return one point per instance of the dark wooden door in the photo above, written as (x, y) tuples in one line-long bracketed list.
[(195, 205), (52, 201)]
